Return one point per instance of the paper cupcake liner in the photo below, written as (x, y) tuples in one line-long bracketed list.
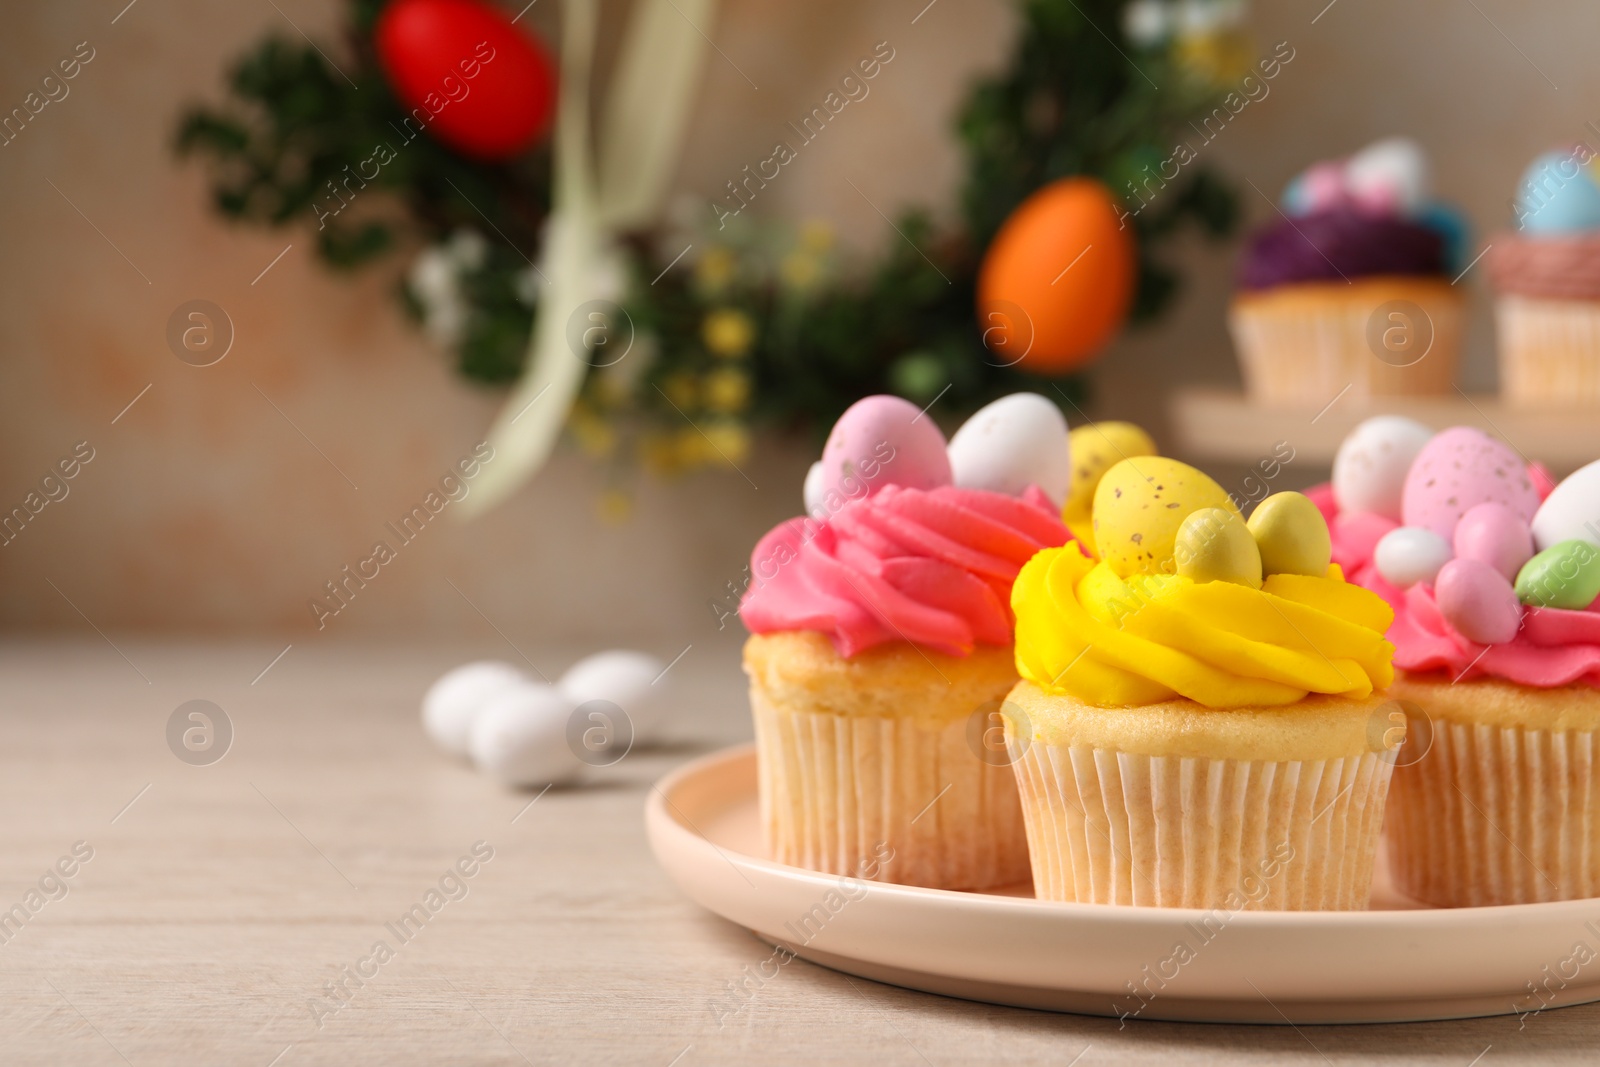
[(1497, 815), (835, 789), (1549, 350), (1302, 349), (1108, 827)]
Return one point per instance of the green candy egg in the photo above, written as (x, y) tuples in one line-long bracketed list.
[(1292, 535), (1565, 575), (1214, 545)]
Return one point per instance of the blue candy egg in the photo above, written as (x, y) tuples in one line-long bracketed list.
[(1557, 194)]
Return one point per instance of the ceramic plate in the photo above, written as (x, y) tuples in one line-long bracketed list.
[(1398, 961)]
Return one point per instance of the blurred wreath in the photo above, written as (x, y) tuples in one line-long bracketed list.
[(763, 322)]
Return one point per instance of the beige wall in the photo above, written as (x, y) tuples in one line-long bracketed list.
[(205, 511)]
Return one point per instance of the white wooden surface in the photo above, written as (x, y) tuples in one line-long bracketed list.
[(222, 899)]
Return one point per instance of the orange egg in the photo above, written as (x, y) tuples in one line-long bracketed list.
[(1058, 278)]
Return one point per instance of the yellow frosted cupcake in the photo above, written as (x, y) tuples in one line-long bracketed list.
[(1200, 720)]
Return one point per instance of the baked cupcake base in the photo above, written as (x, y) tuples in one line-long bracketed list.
[(1178, 805), (881, 749), (1503, 806), (1549, 351), (1300, 345)]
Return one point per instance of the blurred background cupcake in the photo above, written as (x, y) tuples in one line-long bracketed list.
[(1547, 275), (1351, 284)]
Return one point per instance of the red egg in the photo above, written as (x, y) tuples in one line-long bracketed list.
[(469, 76)]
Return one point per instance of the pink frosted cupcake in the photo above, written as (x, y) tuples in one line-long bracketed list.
[(881, 644)]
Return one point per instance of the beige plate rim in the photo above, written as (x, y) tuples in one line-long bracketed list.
[(1393, 964)]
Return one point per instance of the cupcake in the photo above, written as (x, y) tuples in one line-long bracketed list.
[(1498, 648), (1349, 286), (880, 643), (1546, 276), (1200, 719)]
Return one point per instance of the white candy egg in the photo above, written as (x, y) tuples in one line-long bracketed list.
[(815, 488), (1369, 471), (1017, 441), (628, 680), (521, 737), (1411, 554), (453, 702), (1572, 510), (1393, 170)]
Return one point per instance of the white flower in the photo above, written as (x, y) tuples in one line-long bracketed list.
[(1147, 22), (468, 248)]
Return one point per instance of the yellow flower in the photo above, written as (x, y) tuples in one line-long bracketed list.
[(614, 507), (593, 434), (728, 333), (682, 389), (692, 449), (659, 452), (727, 390), (816, 236), (728, 442), (801, 270), (715, 268)]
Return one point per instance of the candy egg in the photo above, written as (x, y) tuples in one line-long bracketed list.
[(1411, 554), (814, 490), (1494, 534), (455, 701), (1017, 441), (1369, 471), (1571, 511), (521, 737), (879, 441), (1557, 195), (1095, 449), (1565, 575), (1138, 507), (1292, 536), (1391, 174), (1214, 545), (1459, 469), (636, 682), (1478, 601)]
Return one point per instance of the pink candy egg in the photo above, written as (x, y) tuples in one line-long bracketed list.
[(1458, 470), (879, 441), (1494, 534), (1478, 601)]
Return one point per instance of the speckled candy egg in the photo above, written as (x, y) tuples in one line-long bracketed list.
[(1478, 601), (1139, 506), (1458, 470), (1017, 441), (879, 441), (1369, 471), (1095, 449), (1571, 511), (1494, 534), (1410, 554)]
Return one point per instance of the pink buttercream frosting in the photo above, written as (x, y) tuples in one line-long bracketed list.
[(933, 567), (1554, 647)]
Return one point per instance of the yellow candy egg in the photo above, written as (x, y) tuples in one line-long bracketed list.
[(1292, 535), (1138, 507), (1214, 545), (1096, 448)]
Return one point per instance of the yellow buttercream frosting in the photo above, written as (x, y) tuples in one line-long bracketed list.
[(1117, 642)]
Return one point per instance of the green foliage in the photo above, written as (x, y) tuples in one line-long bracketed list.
[(295, 144)]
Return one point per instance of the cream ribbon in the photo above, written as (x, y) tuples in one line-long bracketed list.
[(640, 136)]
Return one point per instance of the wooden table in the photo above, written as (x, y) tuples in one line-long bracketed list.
[(221, 901)]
